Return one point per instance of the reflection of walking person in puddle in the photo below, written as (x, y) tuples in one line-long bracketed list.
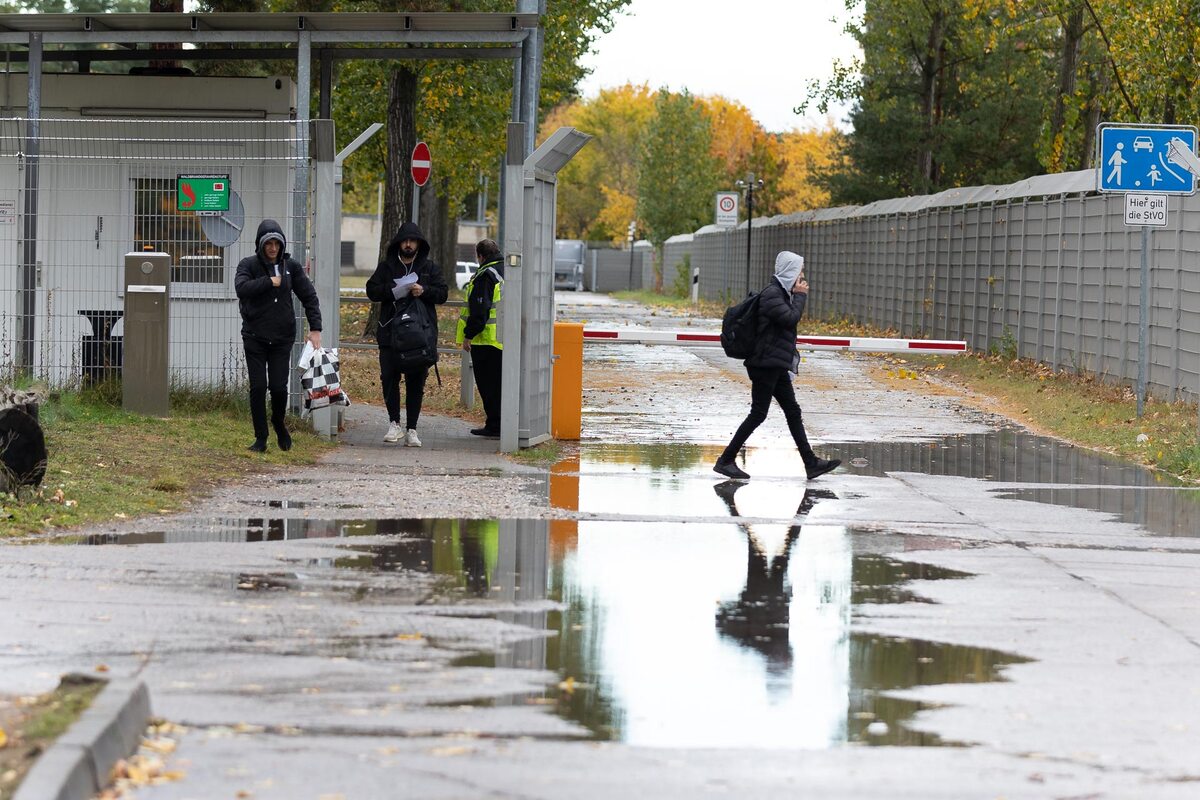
[(1116, 162), (758, 618)]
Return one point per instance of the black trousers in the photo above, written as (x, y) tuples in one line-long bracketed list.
[(764, 385), (485, 364), (414, 388), (267, 366)]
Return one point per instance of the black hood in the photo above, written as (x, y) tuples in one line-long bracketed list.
[(270, 226), (408, 230)]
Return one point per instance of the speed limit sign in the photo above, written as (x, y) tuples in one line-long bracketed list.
[(727, 209)]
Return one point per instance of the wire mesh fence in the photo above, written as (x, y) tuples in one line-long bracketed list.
[(75, 199)]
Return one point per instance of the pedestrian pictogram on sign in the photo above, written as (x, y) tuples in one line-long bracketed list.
[(1137, 158), (421, 164)]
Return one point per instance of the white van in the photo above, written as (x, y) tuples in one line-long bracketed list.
[(463, 272)]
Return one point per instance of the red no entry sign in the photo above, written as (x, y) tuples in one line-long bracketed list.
[(421, 164)]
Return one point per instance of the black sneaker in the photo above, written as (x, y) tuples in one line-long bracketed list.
[(259, 446), (284, 438), (821, 466), (731, 470), (485, 433)]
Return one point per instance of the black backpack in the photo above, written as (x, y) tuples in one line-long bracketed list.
[(739, 328), (411, 334)]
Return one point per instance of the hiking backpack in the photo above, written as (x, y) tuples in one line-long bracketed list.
[(739, 327)]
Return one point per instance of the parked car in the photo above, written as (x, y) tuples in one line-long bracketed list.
[(569, 256), (463, 272)]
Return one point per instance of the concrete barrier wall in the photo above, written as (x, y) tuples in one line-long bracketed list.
[(1045, 268)]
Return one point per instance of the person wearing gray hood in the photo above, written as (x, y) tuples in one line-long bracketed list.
[(772, 365), (264, 284)]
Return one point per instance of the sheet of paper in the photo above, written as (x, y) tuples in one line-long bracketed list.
[(403, 285)]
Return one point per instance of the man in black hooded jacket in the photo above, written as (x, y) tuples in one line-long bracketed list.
[(407, 255), (264, 284)]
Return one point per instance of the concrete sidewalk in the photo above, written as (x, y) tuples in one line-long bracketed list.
[(345, 664)]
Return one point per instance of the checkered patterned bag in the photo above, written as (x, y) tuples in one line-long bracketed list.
[(320, 380)]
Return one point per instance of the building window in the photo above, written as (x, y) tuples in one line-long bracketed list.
[(157, 225)]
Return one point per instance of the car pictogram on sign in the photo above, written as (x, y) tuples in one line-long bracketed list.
[(1143, 143)]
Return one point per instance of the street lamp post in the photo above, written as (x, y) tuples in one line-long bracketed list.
[(750, 184), (632, 239)]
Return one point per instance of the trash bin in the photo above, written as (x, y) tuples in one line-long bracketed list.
[(566, 413)]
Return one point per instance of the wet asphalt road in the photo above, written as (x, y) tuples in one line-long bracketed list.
[(963, 610)]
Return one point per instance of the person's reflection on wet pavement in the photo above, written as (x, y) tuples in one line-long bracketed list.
[(758, 618)]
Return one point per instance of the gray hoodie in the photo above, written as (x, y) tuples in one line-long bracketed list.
[(788, 267)]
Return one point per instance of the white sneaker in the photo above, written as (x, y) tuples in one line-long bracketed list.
[(394, 432), (410, 439)]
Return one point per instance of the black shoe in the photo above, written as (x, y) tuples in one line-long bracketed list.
[(821, 466), (485, 433), (730, 470), (259, 446), (284, 438)]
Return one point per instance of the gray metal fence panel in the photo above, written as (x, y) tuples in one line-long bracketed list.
[(537, 321), (1053, 276)]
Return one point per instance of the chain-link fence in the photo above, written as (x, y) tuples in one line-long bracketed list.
[(91, 190), (1045, 269)]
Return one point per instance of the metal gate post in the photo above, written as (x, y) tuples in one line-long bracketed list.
[(509, 312)]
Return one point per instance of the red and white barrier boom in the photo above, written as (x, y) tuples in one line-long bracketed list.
[(851, 343)]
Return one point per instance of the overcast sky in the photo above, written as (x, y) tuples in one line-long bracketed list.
[(759, 52)]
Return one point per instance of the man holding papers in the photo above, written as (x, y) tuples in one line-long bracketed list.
[(406, 276)]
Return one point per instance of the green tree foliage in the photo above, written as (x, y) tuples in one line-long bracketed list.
[(597, 191), (959, 92), (74, 6), (948, 93), (678, 174)]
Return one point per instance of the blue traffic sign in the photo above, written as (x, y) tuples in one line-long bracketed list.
[(1135, 158)]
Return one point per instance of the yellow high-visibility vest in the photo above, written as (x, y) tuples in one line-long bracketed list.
[(488, 336)]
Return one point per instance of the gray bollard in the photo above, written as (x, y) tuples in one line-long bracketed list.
[(466, 392)]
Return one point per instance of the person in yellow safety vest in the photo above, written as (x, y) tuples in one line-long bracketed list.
[(477, 332)]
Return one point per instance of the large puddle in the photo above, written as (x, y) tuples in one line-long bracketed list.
[(1057, 473), (733, 629), (672, 634)]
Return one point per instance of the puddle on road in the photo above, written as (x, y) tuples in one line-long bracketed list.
[(1163, 512), (711, 635), (1159, 504), (676, 634)]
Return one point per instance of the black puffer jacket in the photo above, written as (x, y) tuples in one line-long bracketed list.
[(778, 314), (429, 275), (267, 310)]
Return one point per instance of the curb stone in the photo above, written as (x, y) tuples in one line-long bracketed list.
[(77, 765)]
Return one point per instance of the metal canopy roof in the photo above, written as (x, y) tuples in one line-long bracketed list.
[(264, 21), (427, 27)]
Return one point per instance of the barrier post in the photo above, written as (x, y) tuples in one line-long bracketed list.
[(466, 381), (566, 411)]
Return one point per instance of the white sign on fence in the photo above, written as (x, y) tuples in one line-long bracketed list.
[(8, 212), (727, 209), (1146, 209)]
